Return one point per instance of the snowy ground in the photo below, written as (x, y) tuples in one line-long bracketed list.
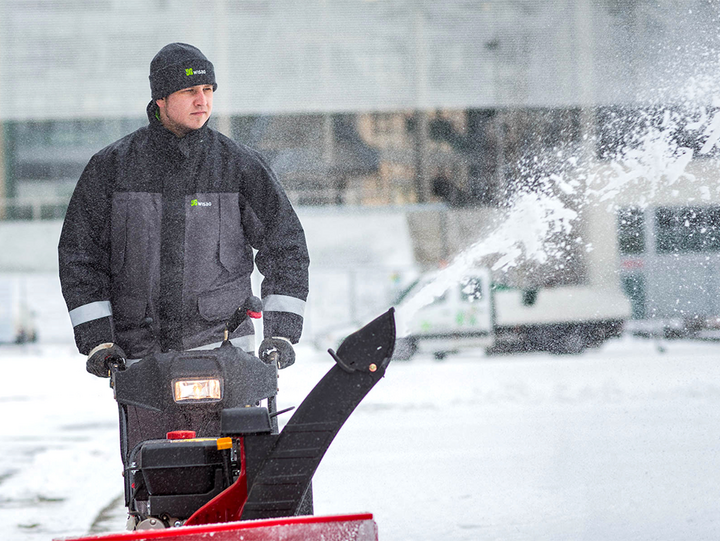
[(618, 443)]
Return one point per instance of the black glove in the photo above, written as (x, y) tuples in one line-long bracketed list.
[(285, 324), (277, 349), (102, 356)]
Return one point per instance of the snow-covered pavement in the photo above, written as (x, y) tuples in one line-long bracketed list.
[(618, 443)]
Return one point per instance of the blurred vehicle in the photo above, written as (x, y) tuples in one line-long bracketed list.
[(563, 320), (476, 314), (462, 317)]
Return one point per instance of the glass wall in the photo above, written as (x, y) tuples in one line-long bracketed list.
[(44, 160), (460, 157)]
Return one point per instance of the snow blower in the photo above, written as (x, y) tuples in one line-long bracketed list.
[(203, 456)]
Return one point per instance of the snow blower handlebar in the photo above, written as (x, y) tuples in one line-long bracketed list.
[(273, 350)]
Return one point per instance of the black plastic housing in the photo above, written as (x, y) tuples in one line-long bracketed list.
[(280, 468), (144, 393), (178, 476), (246, 379), (242, 421), (179, 466)]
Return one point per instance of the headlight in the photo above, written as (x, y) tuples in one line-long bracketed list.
[(197, 389)]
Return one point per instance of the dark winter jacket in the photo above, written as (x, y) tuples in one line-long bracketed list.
[(156, 250)]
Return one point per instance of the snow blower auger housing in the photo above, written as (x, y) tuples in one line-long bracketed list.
[(201, 446)]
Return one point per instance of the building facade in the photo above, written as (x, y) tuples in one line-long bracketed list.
[(370, 102), (356, 101)]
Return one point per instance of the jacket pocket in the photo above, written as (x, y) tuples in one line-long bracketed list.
[(219, 305)]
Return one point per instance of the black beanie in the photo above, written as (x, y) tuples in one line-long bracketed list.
[(178, 66)]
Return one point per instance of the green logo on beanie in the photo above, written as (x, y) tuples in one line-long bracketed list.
[(188, 71)]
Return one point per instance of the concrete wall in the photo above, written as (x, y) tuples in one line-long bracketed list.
[(360, 259), (338, 237)]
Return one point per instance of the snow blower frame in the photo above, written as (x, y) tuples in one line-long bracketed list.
[(202, 455)]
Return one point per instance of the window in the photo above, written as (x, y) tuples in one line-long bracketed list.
[(471, 289), (631, 231), (687, 229)]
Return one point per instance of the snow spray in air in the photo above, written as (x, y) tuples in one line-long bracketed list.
[(651, 159), (529, 221)]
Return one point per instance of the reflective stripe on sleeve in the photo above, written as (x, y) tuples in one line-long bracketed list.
[(284, 303), (88, 312)]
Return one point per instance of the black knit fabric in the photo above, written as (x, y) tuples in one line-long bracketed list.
[(178, 66)]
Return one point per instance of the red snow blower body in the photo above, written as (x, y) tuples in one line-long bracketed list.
[(203, 456)]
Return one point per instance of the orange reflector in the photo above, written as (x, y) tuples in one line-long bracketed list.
[(224, 443)]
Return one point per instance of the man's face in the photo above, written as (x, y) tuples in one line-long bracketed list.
[(187, 109)]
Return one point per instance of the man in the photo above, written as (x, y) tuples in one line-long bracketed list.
[(156, 250)]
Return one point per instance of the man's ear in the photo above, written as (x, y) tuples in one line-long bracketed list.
[(160, 108)]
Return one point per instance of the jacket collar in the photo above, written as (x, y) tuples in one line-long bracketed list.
[(166, 139)]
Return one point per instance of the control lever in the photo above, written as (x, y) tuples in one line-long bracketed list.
[(251, 308)]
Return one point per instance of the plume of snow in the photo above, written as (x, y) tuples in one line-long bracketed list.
[(651, 159), (521, 236)]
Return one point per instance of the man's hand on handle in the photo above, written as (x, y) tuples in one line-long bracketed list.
[(277, 349), (102, 357)]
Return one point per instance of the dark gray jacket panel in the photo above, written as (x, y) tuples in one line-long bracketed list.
[(164, 229)]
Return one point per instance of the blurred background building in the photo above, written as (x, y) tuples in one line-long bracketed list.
[(443, 109), (370, 102)]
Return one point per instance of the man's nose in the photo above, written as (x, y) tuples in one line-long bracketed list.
[(200, 99)]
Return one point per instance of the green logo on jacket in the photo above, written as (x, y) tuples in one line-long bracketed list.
[(196, 203)]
